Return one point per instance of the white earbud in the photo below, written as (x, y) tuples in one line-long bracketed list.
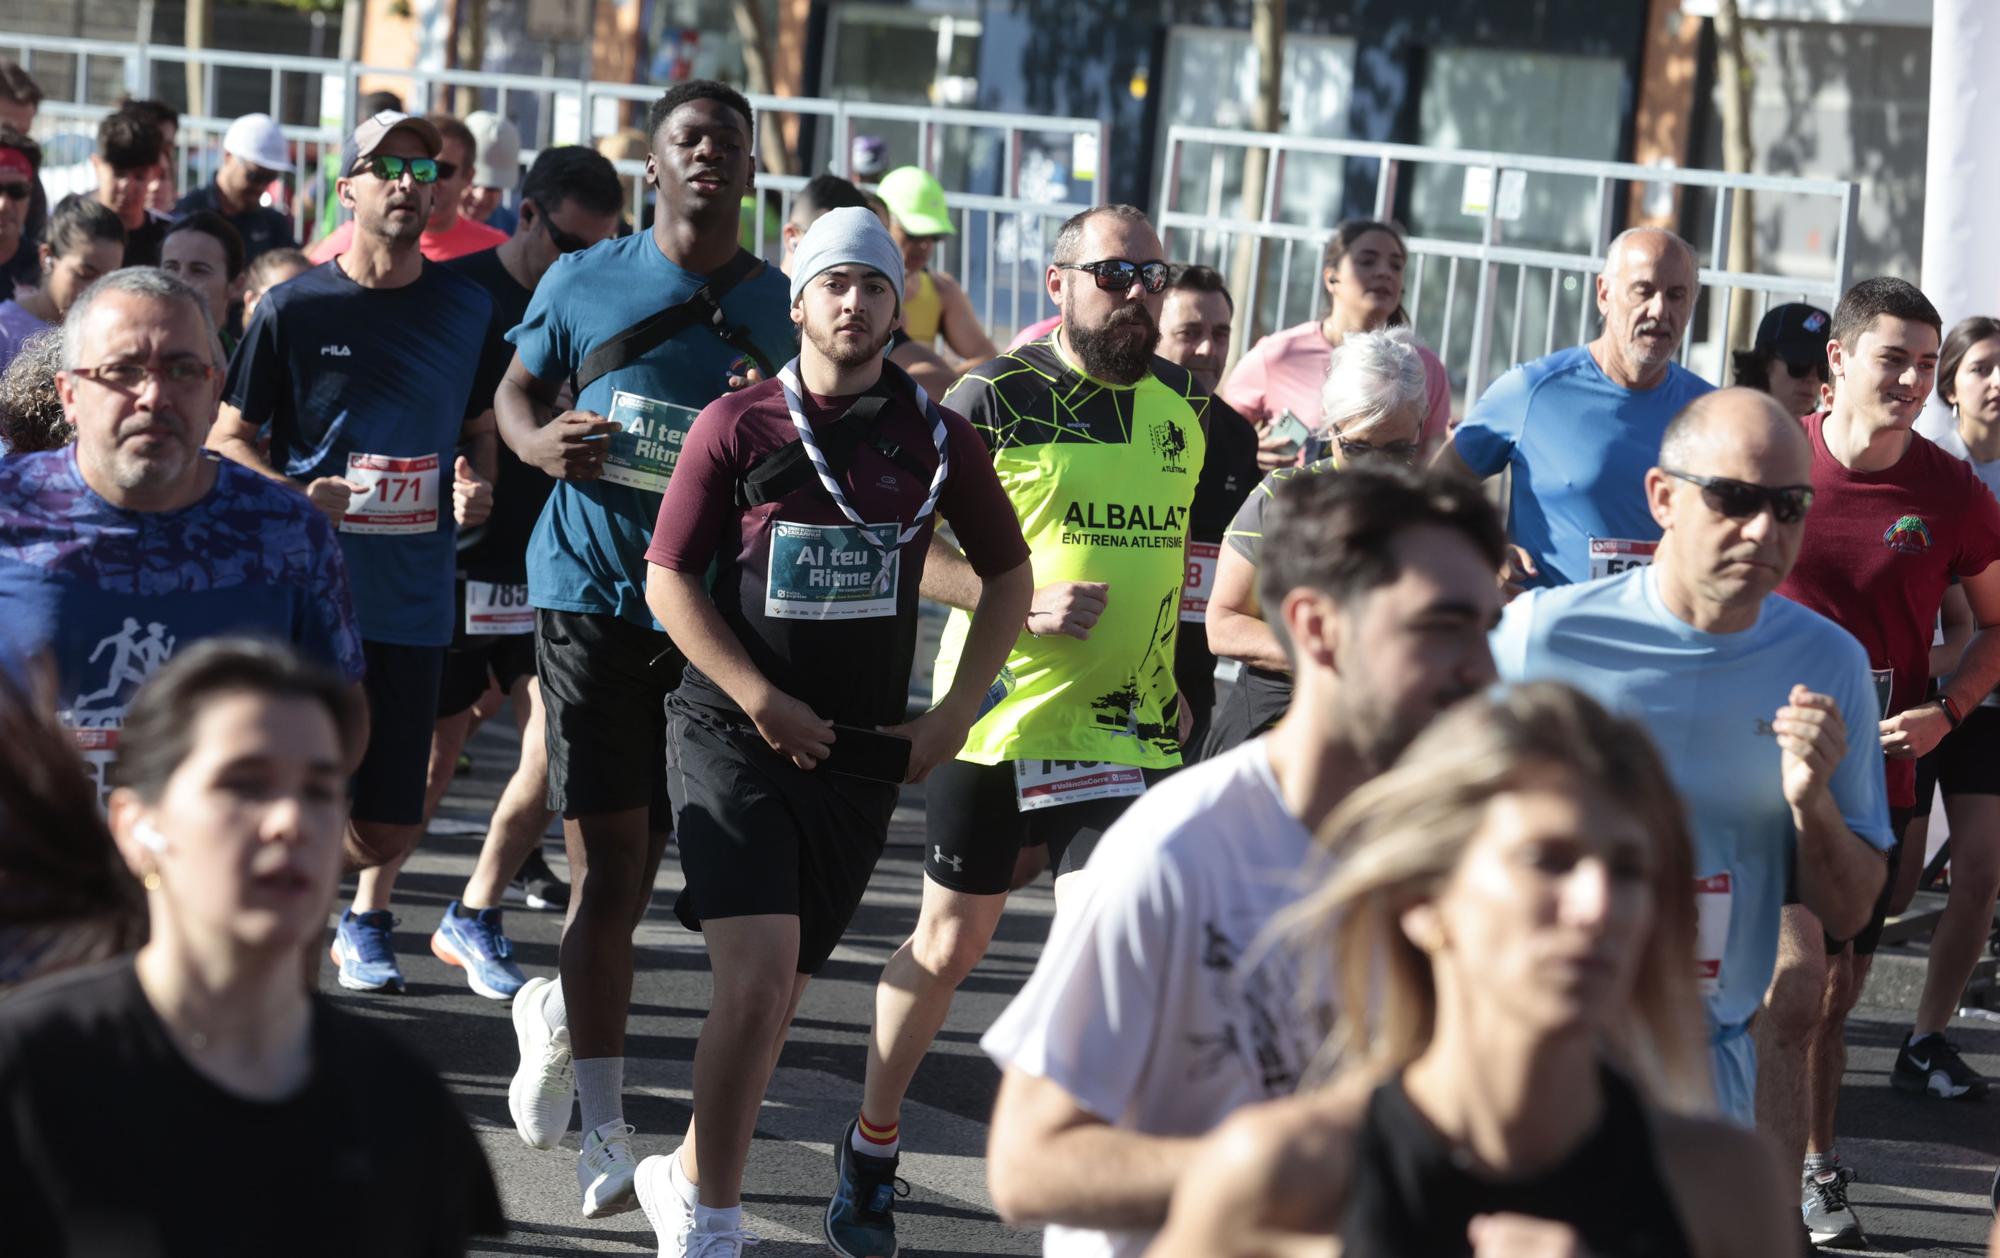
[(149, 837)]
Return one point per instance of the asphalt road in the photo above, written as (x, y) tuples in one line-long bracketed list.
[(1925, 1166)]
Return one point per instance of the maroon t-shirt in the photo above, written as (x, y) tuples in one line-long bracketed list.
[(827, 623), (1879, 550)]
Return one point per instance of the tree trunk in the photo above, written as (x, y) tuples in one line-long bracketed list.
[(195, 32), (757, 62), (1733, 75), (470, 47), (1267, 41)]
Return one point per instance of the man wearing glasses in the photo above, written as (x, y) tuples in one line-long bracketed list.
[(20, 185), (448, 234), (1750, 697), (364, 370), (1895, 521), (1098, 443), (1580, 427), (133, 543), (254, 157)]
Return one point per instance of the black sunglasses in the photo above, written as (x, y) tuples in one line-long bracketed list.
[(1800, 371), (1404, 452), (260, 177), (1739, 499), (562, 240), (18, 191), (1117, 275)]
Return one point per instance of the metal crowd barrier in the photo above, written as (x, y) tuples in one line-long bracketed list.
[(1480, 290)]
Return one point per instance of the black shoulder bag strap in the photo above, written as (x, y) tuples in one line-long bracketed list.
[(703, 306), (788, 468)]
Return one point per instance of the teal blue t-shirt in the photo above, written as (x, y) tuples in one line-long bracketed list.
[(588, 550)]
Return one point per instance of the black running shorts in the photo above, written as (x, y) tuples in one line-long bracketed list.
[(402, 689), (605, 683), (975, 829), (759, 835)]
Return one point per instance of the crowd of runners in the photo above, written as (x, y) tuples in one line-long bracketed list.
[(1510, 899)]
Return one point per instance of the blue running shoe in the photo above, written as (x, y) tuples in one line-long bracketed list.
[(478, 946), (362, 951), (860, 1222)]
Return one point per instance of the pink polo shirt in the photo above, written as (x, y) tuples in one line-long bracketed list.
[(1286, 370)]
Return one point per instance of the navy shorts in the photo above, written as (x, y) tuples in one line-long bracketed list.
[(402, 689)]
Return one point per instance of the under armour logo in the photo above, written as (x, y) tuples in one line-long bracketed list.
[(957, 863), (335, 351)]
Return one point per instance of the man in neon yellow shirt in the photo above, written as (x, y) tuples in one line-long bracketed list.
[(1098, 444)]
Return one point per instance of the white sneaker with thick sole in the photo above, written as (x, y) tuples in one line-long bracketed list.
[(543, 1089), (605, 1169), (669, 1213)]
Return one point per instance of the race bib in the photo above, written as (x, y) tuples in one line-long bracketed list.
[(1713, 897), (1610, 556), (1052, 783), (1202, 558), (831, 572), (644, 454), (1885, 687), (401, 495), (97, 747), (492, 609)]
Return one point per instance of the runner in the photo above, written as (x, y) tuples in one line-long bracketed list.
[(1157, 1008), (572, 195), (85, 241), (605, 665), (20, 100), (204, 252), (496, 171), (364, 370), (1895, 521), (937, 306), (781, 797), (205, 1050), (1509, 920), (447, 233), (129, 546), (1099, 445), (254, 156), (1374, 413), (128, 149), (1284, 373), (266, 273), (1788, 360), (1194, 332), (1749, 695), (1580, 427), (20, 195), (162, 188)]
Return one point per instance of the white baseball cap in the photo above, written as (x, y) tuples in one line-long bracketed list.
[(256, 138), (498, 161)]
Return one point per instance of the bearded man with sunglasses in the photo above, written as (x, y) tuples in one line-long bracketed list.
[(364, 369), (254, 157), (1749, 696), (1099, 444)]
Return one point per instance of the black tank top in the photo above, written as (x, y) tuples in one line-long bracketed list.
[(1412, 1198)]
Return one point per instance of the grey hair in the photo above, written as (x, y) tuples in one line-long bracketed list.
[(136, 281), (1069, 237), (1630, 233), (1373, 375)]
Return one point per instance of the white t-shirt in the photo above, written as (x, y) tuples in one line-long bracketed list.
[(1156, 1005)]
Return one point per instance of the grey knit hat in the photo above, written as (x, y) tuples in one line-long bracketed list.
[(851, 235)]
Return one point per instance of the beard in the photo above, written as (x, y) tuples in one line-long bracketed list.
[(1120, 349), (843, 352)]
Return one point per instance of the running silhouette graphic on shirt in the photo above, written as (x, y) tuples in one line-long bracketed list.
[(134, 658)]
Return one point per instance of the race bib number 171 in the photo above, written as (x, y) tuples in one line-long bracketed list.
[(398, 495)]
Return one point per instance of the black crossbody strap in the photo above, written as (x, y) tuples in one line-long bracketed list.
[(704, 305), (789, 468)]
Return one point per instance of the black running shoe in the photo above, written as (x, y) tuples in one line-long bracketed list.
[(539, 886), (1931, 1066), (860, 1219)]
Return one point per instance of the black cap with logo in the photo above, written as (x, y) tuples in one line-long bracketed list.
[(1795, 333)]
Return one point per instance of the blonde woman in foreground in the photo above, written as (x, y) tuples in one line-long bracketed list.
[(1511, 907)]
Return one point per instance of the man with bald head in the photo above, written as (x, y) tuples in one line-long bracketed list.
[(1750, 697), (1580, 427)]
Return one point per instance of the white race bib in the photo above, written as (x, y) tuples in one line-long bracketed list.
[(402, 494), (1051, 783), (644, 454), (1713, 899), (830, 572), (1202, 559), (492, 609), (1610, 556)]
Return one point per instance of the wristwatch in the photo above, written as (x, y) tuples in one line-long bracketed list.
[(1951, 712)]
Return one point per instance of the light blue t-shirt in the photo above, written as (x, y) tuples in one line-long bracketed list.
[(1579, 446), (1708, 699), (588, 550)]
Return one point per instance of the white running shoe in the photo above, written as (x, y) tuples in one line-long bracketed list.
[(544, 1085), (604, 1171), (669, 1213), (719, 1244)]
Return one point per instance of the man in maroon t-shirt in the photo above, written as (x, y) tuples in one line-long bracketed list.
[(1894, 521), (813, 495)]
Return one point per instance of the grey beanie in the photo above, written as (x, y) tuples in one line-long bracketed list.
[(851, 234)]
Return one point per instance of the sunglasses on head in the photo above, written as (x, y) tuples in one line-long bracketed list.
[(1739, 499), (390, 169), (1117, 275)]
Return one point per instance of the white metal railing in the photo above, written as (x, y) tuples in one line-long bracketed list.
[(1466, 321), (1008, 177)]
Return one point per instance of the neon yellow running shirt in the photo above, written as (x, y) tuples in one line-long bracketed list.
[(1102, 477)]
